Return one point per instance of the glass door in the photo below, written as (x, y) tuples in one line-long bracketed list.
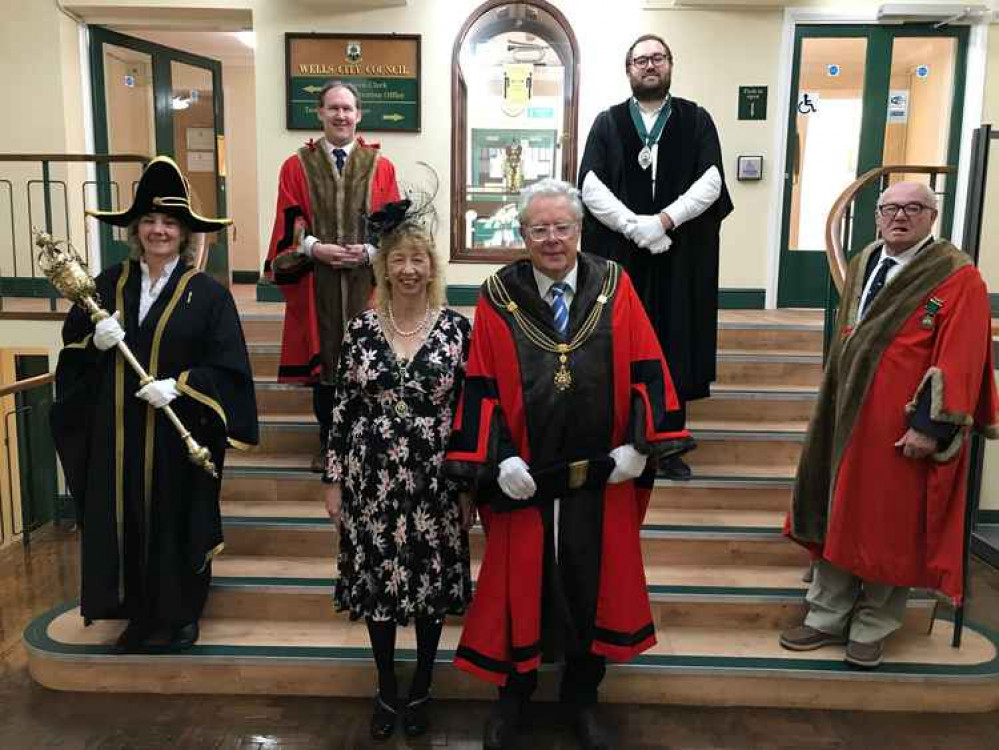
[(155, 100), (864, 97)]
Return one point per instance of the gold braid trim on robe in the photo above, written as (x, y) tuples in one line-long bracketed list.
[(853, 360)]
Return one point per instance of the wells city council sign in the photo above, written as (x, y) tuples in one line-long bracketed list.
[(385, 68)]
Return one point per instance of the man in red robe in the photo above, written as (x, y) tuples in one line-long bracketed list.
[(567, 395), (318, 252), (880, 491)]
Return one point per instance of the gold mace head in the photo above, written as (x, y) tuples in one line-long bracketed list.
[(64, 268)]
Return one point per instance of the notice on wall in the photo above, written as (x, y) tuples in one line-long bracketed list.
[(385, 69), (752, 102), (200, 139), (200, 161), (898, 106)]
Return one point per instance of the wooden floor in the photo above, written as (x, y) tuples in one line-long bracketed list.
[(33, 717)]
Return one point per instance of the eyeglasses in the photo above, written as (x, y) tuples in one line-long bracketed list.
[(657, 59), (890, 210), (541, 232)]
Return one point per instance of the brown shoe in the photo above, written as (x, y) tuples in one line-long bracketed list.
[(865, 655), (807, 638)]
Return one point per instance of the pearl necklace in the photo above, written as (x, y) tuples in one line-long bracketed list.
[(407, 334)]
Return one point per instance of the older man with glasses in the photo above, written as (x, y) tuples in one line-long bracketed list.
[(880, 492), (655, 195), (566, 397)]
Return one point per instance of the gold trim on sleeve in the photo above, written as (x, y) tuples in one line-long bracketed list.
[(80, 344), (119, 436)]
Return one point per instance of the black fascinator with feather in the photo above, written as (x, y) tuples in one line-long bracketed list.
[(416, 208)]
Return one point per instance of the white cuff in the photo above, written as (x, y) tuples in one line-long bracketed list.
[(698, 198), (605, 206), (372, 252), (305, 248)]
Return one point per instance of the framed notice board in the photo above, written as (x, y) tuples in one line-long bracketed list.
[(385, 68)]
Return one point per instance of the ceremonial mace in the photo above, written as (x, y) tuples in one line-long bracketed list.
[(68, 274)]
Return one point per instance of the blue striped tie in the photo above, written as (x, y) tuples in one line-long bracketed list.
[(341, 157), (560, 308)]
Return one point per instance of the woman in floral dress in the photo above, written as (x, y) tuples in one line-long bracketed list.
[(403, 527)]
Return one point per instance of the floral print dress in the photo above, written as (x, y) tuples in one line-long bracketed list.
[(403, 553)]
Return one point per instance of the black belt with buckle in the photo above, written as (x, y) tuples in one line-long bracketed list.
[(558, 480)]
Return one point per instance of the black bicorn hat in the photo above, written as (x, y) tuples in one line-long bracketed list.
[(162, 189)]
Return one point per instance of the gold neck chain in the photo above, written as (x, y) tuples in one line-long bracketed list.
[(500, 297)]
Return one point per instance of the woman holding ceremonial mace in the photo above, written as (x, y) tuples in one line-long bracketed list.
[(150, 517), (403, 530)]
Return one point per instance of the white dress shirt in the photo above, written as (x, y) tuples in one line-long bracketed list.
[(545, 286), (150, 292), (903, 259)]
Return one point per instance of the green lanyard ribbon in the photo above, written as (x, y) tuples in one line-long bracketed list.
[(649, 139)]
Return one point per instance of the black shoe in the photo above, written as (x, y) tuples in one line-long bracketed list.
[(501, 728), (588, 731), (415, 721), (383, 719), (133, 636), (674, 468), (182, 637)]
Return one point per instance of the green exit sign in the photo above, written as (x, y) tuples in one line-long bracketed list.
[(752, 102)]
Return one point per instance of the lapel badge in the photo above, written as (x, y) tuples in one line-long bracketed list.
[(933, 306)]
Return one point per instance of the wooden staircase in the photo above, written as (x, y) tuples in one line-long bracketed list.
[(722, 579)]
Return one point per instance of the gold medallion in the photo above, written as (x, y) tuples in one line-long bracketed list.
[(563, 378), (401, 409)]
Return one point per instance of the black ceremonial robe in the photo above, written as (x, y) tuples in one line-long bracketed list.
[(150, 518), (679, 288), (594, 598)]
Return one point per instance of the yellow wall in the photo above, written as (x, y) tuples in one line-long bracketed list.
[(241, 162)]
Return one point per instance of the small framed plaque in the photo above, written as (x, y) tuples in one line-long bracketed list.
[(749, 169)]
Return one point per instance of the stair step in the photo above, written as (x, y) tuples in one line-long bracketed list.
[(698, 494), (262, 328), (736, 665)]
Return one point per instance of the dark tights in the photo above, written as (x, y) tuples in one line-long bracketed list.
[(382, 635)]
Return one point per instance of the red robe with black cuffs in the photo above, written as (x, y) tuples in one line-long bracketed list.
[(592, 596), (925, 345), (314, 199)]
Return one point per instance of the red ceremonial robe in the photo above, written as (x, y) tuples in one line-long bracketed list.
[(858, 502), (621, 392), (310, 194)]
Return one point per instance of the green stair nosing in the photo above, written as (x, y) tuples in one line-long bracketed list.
[(244, 472), (289, 426), (37, 639), (722, 392), (798, 358), (665, 530), (739, 325), (760, 436), (768, 482)]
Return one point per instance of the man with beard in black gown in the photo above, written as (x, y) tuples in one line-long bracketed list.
[(654, 190)]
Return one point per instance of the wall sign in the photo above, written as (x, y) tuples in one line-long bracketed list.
[(898, 105), (385, 68), (752, 102)]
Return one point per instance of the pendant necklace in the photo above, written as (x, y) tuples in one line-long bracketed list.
[(649, 139), (401, 407)]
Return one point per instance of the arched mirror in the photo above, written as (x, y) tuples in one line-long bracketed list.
[(514, 93)]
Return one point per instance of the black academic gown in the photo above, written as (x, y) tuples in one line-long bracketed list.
[(679, 288), (150, 518)]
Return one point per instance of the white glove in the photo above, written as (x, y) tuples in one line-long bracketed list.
[(515, 479), (628, 464), (662, 245), (108, 332), (159, 393), (646, 230)]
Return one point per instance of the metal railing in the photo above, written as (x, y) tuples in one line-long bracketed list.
[(26, 455), (39, 192)]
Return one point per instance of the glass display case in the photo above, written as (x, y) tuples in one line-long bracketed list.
[(514, 92)]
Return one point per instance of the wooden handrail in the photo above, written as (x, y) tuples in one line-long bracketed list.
[(834, 244), (27, 384), (108, 158)]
